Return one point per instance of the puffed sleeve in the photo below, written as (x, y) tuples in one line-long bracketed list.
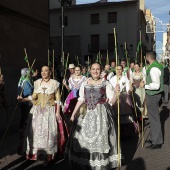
[(69, 83), (57, 96), (81, 93), (113, 82), (57, 93), (110, 92)]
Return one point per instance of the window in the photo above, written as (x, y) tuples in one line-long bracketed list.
[(94, 18), (65, 21), (111, 45), (112, 17), (95, 42)]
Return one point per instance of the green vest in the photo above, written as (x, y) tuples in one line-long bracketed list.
[(149, 80)]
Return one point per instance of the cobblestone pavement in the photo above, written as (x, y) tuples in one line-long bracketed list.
[(136, 157)]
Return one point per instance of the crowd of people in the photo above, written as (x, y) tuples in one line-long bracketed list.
[(89, 111)]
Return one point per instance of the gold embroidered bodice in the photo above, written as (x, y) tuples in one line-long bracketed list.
[(46, 96)]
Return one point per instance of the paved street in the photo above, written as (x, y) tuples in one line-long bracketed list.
[(135, 157)]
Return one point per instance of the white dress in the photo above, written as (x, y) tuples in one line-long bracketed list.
[(126, 114), (42, 124)]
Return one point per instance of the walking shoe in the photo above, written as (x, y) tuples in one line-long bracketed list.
[(148, 141), (152, 146)]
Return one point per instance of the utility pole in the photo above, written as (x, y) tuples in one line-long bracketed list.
[(64, 3), (62, 28)]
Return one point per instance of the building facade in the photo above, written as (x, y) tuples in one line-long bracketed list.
[(164, 44), (89, 29), (23, 24), (150, 29), (167, 52)]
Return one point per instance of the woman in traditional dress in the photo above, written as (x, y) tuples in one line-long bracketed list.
[(93, 142), (75, 82), (42, 125), (138, 81), (126, 107), (25, 89)]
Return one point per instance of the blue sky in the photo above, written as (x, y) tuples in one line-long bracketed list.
[(159, 8)]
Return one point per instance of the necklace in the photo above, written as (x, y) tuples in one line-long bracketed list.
[(77, 77), (119, 77), (46, 80), (96, 79)]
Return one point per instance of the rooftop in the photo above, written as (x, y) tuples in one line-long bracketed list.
[(97, 4)]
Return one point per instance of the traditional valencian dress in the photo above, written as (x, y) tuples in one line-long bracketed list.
[(126, 115), (126, 107), (93, 142), (139, 93), (42, 125), (71, 100)]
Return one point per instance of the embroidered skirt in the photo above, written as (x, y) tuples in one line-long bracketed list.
[(93, 141), (41, 133)]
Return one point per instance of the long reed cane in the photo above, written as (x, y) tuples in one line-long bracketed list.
[(107, 57), (27, 57), (48, 57), (118, 104), (141, 49), (126, 54), (141, 88), (63, 58), (142, 104), (33, 63), (134, 104), (78, 60), (65, 74), (88, 66)]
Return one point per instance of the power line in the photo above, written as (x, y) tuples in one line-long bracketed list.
[(160, 5)]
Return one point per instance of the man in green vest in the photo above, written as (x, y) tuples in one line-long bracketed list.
[(154, 89)]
